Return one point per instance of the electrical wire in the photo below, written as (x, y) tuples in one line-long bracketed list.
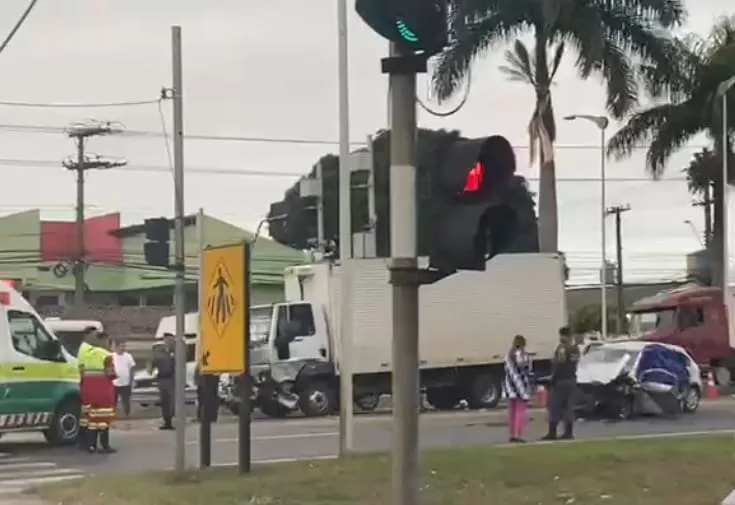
[(92, 105), (459, 106), (18, 24)]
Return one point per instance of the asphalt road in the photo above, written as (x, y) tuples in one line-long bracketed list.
[(141, 446)]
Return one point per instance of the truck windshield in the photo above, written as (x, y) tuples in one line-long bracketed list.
[(260, 325), (641, 322)]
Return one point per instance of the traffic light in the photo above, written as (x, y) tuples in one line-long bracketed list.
[(477, 210), (156, 248), (416, 25)]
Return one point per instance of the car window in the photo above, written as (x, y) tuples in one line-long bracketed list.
[(29, 337)]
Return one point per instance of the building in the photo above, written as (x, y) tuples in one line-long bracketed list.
[(37, 254)]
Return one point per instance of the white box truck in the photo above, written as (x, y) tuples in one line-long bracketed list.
[(467, 322)]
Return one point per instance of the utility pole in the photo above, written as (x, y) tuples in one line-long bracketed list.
[(706, 203), (405, 293), (179, 265), (346, 393), (617, 211), (81, 132)]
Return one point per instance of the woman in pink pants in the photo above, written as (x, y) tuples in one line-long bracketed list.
[(517, 386)]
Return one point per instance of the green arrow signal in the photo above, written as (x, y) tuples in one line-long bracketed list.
[(406, 32)]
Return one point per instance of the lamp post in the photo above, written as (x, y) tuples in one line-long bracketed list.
[(722, 90), (601, 122)]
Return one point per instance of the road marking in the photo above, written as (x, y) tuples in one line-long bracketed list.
[(266, 438), (19, 474)]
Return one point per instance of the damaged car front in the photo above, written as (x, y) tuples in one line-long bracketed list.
[(606, 382)]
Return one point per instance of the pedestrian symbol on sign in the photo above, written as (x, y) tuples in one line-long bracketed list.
[(221, 302)]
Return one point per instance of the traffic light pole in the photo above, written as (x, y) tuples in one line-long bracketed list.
[(405, 288)]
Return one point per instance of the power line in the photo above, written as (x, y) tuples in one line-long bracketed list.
[(54, 130), (279, 173), (62, 105), (18, 24)]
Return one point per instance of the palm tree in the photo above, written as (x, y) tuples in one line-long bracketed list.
[(603, 34), (693, 108)]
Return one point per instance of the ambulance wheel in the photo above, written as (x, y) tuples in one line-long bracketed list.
[(485, 392), (317, 399), (64, 427)]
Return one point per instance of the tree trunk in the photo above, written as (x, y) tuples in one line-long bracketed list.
[(718, 235), (548, 219)]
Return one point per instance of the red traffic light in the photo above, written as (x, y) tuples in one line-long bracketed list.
[(475, 176)]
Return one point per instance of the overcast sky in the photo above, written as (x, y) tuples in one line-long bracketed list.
[(269, 69)]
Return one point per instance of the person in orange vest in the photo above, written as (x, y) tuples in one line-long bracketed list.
[(86, 349), (98, 394)]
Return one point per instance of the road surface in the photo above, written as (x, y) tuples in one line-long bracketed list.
[(143, 446)]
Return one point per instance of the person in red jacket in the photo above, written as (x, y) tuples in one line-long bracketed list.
[(98, 395)]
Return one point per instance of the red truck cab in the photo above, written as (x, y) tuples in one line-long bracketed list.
[(693, 317)]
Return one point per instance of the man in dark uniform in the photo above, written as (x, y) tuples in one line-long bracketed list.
[(562, 393), (165, 363)]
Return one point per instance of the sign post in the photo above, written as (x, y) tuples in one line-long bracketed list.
[(224, 330)]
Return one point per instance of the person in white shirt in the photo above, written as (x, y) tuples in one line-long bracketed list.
[(124, 364)]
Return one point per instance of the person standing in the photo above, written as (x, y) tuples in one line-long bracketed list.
[(84, 355), (517, 386), (98, 394), (562, 393), (124, 365), (164, 361)]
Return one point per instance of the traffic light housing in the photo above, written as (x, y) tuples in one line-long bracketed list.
[(476, 211), (418, 26), (156, 249)]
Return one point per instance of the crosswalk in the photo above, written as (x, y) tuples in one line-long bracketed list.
[(20, 473)]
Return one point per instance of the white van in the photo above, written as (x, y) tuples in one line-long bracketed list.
[(71, 332), (39, 378)]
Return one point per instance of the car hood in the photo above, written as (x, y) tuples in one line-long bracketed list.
[(600, 373)]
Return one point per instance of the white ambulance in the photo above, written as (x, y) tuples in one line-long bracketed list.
[(39, 378)]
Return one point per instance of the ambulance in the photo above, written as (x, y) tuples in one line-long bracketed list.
[(39, 378)]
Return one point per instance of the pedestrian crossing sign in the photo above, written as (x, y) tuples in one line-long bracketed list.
[(223, 309)]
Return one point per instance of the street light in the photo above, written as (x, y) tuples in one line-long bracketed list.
[(722, 90), (601, 122)]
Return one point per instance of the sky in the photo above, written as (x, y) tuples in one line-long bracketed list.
[(268, 70)]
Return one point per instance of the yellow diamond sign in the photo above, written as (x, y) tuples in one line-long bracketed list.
[(223, 315)]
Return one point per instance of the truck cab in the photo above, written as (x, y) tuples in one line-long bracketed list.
[(693, 317), (39, 378)]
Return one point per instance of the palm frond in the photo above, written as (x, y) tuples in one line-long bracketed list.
[(520, 65), (473, 35), (556, 60)]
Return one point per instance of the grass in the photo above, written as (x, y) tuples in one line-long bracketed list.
[(661, 471)]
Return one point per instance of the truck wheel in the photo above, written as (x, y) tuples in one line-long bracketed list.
[(443, 398), (64, 427), (485, 392), (368, 402), (722, 375), (317, 399), (273, 409)]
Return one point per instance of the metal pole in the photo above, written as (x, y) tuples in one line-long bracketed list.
[(79, 264), (725, 234), (320, 208), (203, 389), (372, 212), (345, 242), (405, 296), (619, 281), (603, 245), (180, 297)]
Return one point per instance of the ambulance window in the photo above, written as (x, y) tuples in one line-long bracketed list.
[(30, 338)]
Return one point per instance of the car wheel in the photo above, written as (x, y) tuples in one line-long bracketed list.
[(690, 401), (64, 427)]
